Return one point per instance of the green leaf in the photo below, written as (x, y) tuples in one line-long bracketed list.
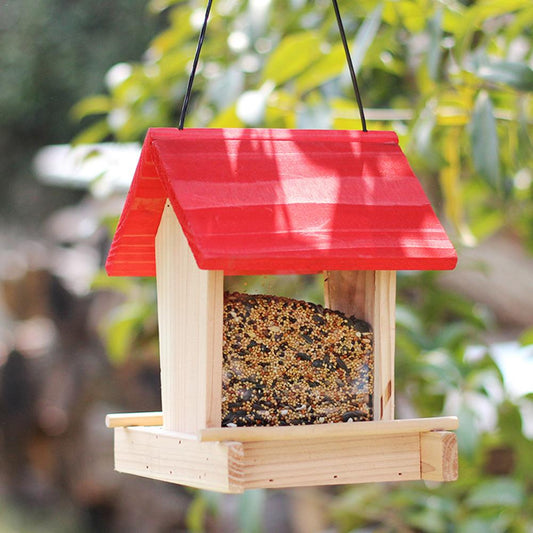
[(93, 105), (435, 50), (345, 115), (101, 281), (250, 511), (157, 6), (426, 519), (467, 433), (487, 222), (292, 56), (196, 514), (477, 525), (516, 75), (176, 36), (173, 63), (281, 110), (520, 24), (121, 328), (323, 70), (93, 134), (484, 139), (412, 15), (422, 138), (527, 337), (498, 492), (226, 119), (494, 8), (524, 154), (365, 36), (510, 421)]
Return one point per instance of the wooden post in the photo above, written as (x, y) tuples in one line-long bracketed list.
[(370, 295), (190, 307), (438, 456)]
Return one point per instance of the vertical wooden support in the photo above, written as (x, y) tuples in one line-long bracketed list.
[(438, 456), (190, 307), (370, 295)]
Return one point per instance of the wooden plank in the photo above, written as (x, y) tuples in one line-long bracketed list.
[(351, 292), (190, 306), (159, 454), (331, 462), (214, 327), (370, 295), (329, 431), (438, 456), (234, 466), (231, 467), (385, 326), (118, 420)]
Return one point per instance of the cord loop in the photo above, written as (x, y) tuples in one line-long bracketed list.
[(346, 52)]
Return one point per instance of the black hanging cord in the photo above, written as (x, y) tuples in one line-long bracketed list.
[(344, 43), (194, 65), (350, 64)]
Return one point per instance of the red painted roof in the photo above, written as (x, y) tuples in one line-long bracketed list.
[(260, 201)]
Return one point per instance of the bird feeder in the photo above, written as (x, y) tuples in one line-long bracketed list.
[(209, 203)]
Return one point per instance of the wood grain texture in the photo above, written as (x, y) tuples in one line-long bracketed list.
[(385, 324), (302, 460), (370, 295), (159, 454), (331, 462), (118, 420), (438, 456), (190, 305), (281, 433), (307, 201)]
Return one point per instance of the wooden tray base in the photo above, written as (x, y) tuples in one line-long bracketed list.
[(329, 454)]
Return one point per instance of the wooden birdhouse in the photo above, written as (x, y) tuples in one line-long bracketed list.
[(205, 204)]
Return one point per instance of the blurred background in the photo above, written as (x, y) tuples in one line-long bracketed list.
[(80, 82)]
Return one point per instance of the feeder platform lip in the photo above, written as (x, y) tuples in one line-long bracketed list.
[(280, 202), (275, 433), (337, 430)]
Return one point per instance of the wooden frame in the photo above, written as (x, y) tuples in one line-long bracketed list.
[(190, 305), (190, 308), (276, 457), (370, 295)]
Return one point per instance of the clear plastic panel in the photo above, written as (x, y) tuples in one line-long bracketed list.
[(290, 362)]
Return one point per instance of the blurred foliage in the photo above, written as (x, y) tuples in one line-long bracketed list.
[(12, 520), (462, 70), (55, 52), (454, 79)]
